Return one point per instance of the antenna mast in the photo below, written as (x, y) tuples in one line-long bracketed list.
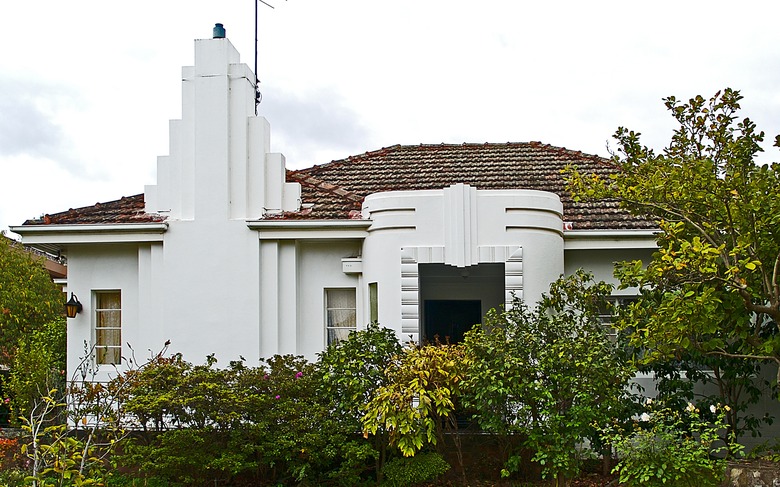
[(258, 95)]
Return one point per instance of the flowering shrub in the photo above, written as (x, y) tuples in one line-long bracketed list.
[(5, 412), (9, 448), (670, 447)]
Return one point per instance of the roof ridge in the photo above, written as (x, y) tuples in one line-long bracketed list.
[(572, 153), (352, 158), (563, 151)]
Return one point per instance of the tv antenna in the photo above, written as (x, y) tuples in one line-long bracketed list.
[(258, 95)]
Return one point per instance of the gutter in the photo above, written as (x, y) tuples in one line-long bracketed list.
[(609, 239), (309, 229), (91, 228), (52, 238)]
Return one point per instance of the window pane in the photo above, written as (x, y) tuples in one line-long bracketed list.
[(109, 318), (108, 323), (373, 302), (342, 318), (108, 336), (108, 355), (341, 298), (338, 334), (340, 313), (109, 300)]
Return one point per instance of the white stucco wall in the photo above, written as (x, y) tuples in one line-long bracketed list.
[(103, 268), (210, 286), (320, 268), (601, 262)]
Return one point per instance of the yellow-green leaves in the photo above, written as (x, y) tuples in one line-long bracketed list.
[(28, 297), (719, 218), (423, 385)]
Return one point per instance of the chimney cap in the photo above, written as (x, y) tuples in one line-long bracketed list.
[(219, 31)]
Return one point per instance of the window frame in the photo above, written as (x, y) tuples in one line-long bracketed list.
[(103, 352), (606, 316), (327, 309), (373, 302)]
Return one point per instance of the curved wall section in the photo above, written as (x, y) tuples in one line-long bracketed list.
[(459, 226)]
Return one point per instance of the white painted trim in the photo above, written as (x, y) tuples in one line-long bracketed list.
[(92, 228), (309, 229), (58, 236), (609, 239), (510, 255)]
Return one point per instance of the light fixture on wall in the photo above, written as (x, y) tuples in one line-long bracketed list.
[(73, 306)]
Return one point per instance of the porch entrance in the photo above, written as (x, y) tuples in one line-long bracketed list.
[(453, 299)]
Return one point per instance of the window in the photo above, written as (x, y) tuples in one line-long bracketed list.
[(340, 313), (108, 327), (608, 312), (373, 302)]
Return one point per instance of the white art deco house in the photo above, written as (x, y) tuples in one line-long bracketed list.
[(230, 253)]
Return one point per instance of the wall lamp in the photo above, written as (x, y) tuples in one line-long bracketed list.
[(73, 306)]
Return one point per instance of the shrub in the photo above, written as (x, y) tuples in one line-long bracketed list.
[(119, 480), (546, 375), (669, 447), (259, 424), (423, 467), (349, 374), (9, 452), (38, 366)]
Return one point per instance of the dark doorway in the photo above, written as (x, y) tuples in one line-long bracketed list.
[(450, 319), (453, 299)]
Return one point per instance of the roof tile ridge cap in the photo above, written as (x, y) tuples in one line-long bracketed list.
[(348, 159), (572, 153), (326, 186), (502, 144)]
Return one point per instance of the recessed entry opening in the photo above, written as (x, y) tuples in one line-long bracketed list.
[(453, 299)]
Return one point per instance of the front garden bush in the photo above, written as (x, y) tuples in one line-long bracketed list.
[(423, 467), (265, 424), (667, 446), (350, 372), (547, 375)]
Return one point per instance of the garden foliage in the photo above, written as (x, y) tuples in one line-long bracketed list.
[(420, 468), (32, 330), (668, 446), (547, 375), (713, 283), (268, 423), (350, 372), (28, 297)]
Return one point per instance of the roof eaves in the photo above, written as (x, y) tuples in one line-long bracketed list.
[(310, 229), (54, 238)]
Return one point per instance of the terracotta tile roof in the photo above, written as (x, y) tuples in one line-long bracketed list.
[(128, 209), (527, 165), (335, 191)]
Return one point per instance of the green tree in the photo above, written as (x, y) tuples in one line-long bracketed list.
[(419, 402), (716, 273), (351, 371), (547, 375), (28, 297), (38, 366)]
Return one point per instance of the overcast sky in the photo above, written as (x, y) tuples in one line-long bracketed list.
[(87, 87)]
